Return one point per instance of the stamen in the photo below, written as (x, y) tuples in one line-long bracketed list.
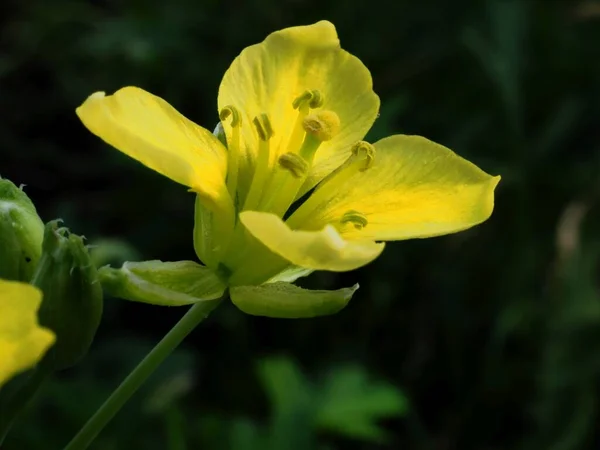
[(262, 163), (263, 127), (233, 148), (324, 125), (296, 164), (308, 99), (361, 159), (312, 98), (363, 151), (230, 110), (357, 219)]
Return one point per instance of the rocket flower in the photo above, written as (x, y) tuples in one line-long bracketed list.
[(286, 185)]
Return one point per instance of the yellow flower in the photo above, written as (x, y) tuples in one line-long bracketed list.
[(295, 188), (22, 341)]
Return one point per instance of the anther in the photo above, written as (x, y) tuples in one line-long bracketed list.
[(295, 163), (355, 218), (366, 151), (312, 97), (230, 110), (323, 125), (263, 127)]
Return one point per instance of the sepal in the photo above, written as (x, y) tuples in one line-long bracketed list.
[(162, 283), (72, 304), (287, 301)]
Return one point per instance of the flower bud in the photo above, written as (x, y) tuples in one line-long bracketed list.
[(21, 233), (72, 304)]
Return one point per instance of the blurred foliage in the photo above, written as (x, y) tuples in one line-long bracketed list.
[(492, 335)]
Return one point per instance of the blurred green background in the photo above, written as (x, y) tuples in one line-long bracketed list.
[(488, 339)]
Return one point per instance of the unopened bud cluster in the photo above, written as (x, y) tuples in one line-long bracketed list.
[(58, 263)]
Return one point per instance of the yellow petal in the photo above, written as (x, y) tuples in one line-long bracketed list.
[(148, 129), (414, 189), (267, 77), (317, 250), (22, 341)]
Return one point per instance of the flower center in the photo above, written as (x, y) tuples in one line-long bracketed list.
[(293, 166), (278, 173)]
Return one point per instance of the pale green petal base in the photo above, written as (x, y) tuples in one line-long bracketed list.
[(287, 301), (162, 283)]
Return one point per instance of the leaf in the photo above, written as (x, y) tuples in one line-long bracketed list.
[(352, 404), (284, 383)]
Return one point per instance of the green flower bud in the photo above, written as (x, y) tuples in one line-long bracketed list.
[(72, 304), (21, 233)]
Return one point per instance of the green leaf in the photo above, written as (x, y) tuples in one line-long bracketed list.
[(245, 435), (286, 301), (162, 283), (293, 400), (285, 384), (352, 404)]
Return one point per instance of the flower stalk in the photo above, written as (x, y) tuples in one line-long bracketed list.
[(140, 374)]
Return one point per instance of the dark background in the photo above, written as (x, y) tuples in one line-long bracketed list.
[(488, 339)]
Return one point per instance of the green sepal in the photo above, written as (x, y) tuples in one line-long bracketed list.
[(72, 303), (287, 301), (204, 234), (21, 233), (162, 283)]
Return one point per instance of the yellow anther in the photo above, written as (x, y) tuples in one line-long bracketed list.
[(364, 151), (357, 219), (323, 125), (230, 110), (263, 127), (296, 164), (312, 97)]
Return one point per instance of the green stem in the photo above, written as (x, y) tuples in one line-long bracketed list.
[(174, 429), (140, 374), (17, 401)]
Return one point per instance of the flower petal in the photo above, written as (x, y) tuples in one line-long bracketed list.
[(148, 129), (414, 189), (22, 341), (286, 301), (267, 77), (318, 250), (162, 283)]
